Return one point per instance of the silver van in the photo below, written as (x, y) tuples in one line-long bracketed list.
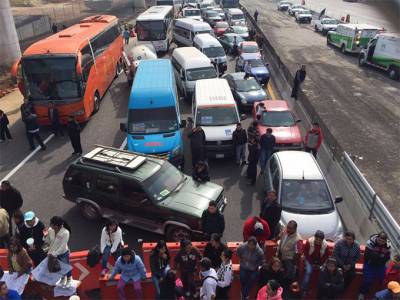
[(211, 47)]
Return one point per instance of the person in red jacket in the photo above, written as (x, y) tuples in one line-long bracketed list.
[(258, 227), (393, 271), (313, 140), (271, 291)]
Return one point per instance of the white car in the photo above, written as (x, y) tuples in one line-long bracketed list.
[(303, 16), (284, 5), (295, 8), (325, 24), (192, 13), (220, 11)]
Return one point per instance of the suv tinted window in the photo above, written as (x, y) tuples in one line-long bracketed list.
[(132, 190), (78, 177), (106, 184)]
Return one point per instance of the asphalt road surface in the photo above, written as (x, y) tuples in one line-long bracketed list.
[(359, 105)]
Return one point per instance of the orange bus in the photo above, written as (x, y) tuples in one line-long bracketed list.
[(72, 68)]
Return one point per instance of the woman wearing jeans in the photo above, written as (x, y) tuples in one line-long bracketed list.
[(57, 237), (159, 264), (110, 243)]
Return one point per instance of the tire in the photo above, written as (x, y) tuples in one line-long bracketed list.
[(89, 211), (177, 233), (361, 60), (394, 72), (96, 103), (343, 49)]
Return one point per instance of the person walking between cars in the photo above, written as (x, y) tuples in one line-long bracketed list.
[(252, 159), (4, 131), (253, 132), (11, 200), (256, 15), (271, 212), (313, 139), (267, 145), (33, 130), (299, 77), (212, 221), (74, 133), (239, 139), (197, 144), (54, 117), (126, 34)]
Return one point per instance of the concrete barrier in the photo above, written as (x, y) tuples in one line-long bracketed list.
[(29, 27)]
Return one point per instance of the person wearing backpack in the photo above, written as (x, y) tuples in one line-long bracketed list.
[(313, 140), (209, 280)]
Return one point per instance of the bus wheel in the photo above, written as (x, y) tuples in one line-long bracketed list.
[(394, 72), (96, 103)]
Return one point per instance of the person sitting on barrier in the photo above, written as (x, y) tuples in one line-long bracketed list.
[(330, 282), (209, 280), (391, 293), (347, 253), (214, 249), (258, 227), (18, 258), (271, 291), (315, 255), (171, 287), (132, 269), (271, 270), (111, 242), (7, 294), (186, 262), (225, 275), (393, 270), (289, 250), (376, 255), (159, 265), (18, 220)]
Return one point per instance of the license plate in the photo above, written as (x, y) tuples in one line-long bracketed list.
[(219, 156)]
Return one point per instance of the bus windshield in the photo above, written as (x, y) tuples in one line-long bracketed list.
[(151, 30), (51, 78), (152, 121)]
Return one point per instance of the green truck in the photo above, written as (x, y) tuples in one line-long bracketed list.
[(383, 52), (351, 37)]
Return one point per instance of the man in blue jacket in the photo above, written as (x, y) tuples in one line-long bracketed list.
[(6, 294)]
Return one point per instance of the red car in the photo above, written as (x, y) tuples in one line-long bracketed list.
[(249, 47), (220, 28), (278, 116)]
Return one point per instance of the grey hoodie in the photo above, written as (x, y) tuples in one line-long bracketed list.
[(250, 260)]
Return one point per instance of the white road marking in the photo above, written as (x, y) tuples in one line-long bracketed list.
[(23, 162), (123, 145)]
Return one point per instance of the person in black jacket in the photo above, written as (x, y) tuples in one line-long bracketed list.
[(330, 282), (376, 255), (239, 139), (169, 289), (54, 117), (267, 145), (214, 249), (197, 144), (200, 172), (271, 271), (271, 212), (32, 128), (32, 228), (159, 265), (212, 221), (10, 199), (74, 133), (252, 158), (4, 131), (299, 77)]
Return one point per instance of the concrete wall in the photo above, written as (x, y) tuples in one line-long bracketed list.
[(29, 27), (9, 45)]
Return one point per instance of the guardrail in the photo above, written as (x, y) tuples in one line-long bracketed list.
[(369, 198)]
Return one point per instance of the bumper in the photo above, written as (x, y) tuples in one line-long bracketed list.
[(220, 151), (304, 20), (289, 146)]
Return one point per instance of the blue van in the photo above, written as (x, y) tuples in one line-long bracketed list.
[(153, 123)]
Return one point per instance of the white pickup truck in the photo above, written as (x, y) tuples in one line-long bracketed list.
[(325, 24)]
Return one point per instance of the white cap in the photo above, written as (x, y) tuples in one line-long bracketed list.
[(74, 297)]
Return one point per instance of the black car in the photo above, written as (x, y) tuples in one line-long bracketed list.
[(227, 41)]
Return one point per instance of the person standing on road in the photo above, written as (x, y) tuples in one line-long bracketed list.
[(212, 221), (271, 212), (313, 139), (11, 200), (74, 133), (197, 144), (4, 131), (209, 280), (252, 158), (256, 15), (267, 145), (33, 130), (126, 34), (54, 28), (159, 265), (257, 227), (111, 243), (225, 275), (239, 139), (299, 77), (252, 131), (54, 117)]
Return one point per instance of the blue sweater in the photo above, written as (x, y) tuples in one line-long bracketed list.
[(129, 271), (12, 295)]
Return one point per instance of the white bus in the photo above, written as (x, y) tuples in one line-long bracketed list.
[(155, 25)]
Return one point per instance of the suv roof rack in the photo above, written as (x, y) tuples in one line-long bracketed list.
[(114, 157)]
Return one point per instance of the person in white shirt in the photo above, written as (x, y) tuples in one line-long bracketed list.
[(209, 280), (225, 275), (110, 243), (57, 237)]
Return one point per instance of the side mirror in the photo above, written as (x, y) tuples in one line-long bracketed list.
[(183, 123), (338, 199), (122, 126), (298, 121), (243, 117)]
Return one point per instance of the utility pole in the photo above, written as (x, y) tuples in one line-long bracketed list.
[(9, 43)]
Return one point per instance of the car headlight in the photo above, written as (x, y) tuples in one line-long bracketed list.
[(177, 151)]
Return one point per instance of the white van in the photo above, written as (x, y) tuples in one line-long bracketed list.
[(186, 29), (210, 46), (192, 13), (190, 65), (235, 16), (215, 110)]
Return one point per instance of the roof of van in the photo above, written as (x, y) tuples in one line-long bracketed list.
[(155, 13), (215, 91), (298, 165), (193, 22), (233, 11), (206, 38), (190, 57), (390, 35), (359, 26), (147, 92)]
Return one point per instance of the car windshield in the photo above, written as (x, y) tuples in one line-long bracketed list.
[(229, 38), (333, 22), (221, 25), (162, 183), (306, 196), (240, 30), (152, 121), (214, 52), (237, 17), (204, 31), (51, 78), (305, 12), (216, 116), (250, 49), (255, 63), (201, 73), (212, 14), (192, 13), (151, 30), (248, 85), (277, 119)]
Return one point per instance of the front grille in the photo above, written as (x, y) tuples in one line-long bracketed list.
[(220, 200), (219, 143), (162, 155)]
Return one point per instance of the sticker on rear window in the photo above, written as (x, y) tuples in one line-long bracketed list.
[(164, 193)]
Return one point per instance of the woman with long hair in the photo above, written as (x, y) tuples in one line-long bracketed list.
[(110, 243), (18, 258)]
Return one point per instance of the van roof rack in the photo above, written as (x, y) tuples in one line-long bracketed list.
[(114, 157)]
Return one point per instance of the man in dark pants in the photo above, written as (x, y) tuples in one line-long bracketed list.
[(74, 133), (10, 199), (239, 139), (197, 143), (271, 212), (252, 158), (212, 221), (256, 15), (267, 145), (299, 77), (32, 128), (54, 118)]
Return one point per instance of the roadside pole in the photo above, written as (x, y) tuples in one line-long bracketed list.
[(10, 50)]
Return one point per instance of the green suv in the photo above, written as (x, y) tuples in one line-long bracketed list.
[(141, 191)]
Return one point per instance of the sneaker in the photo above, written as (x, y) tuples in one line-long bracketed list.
[(68, 283), (62, 282)]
